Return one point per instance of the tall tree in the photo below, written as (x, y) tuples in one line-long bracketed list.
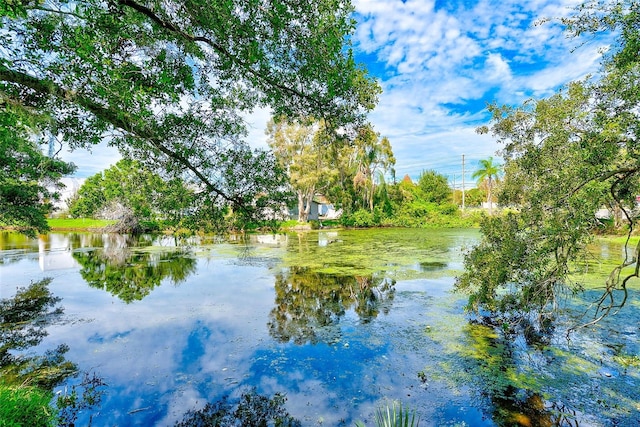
[(301, 149), (487, 172), (168, 82), (435, 187), (371, 154), (566, 156)]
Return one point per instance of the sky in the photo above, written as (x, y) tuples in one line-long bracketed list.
[(439, 63)]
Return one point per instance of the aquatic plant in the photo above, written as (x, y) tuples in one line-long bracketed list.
[(394, 416)]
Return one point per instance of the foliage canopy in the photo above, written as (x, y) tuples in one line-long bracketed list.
[(169, 82), (129, 188), (434, 186), (27, 177)]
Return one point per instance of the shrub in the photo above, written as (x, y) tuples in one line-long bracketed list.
[(448, 209), (361, 218)]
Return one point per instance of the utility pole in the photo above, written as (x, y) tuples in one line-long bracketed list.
[(463, 182)]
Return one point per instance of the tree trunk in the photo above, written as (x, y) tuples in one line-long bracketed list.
[(489, 198), (617, 216), (302, 211), (371, 195), (304, 204)]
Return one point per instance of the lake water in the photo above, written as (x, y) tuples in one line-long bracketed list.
[(342, 322)]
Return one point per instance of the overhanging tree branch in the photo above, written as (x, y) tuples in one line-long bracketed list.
[(118, 119), (173, 28), (602, 177)]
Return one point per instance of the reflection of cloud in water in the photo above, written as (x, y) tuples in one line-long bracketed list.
[(143, 349), (55, 259), (181, 347), (271, 239)]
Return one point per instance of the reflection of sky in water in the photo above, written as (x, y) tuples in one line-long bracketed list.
[(187, 344), (184, 345)]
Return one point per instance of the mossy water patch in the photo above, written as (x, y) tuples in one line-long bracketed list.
[(339, 320), (406, 253)]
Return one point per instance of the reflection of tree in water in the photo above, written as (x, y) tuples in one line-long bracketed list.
[(252, 409), (515, 396), (27, 380), (23, 322), (131, 275), (308, 303)]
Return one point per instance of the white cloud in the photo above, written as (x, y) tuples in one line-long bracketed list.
[(497, 68), (438, 67), (442, 64), (256, 126), (91, 161)]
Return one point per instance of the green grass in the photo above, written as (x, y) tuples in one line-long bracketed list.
[(78, 223), (620, 239), (25, 406)]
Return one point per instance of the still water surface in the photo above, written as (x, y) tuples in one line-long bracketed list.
[(342, 322)]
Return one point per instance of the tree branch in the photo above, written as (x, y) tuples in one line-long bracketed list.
[(602, 177), (171, 27), (118, 119), (61, 12), (602, 308)]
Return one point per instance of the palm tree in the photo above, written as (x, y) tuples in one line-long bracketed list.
[(487, 171)]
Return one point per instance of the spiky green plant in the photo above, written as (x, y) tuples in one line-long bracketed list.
[(394, 416)]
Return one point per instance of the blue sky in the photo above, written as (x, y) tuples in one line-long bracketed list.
[(439, 63)]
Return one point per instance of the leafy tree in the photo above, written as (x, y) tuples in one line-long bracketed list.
[(371, 154), (342, 167), (169, 82), (28, 178), (300, 148), (566, 156), (89, 198), (435, 187), (473, 197), (486, 174), (383, 196), (131, 185), (361, 159)]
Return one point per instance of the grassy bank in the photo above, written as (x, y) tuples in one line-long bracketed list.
[(78, 224), (619, 239)]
